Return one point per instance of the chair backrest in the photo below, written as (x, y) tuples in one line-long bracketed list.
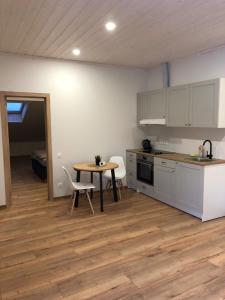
[(121, 170), (68, 175)]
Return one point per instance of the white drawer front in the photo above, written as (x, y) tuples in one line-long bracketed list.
[(164, 162), (131, 164), (145, 189), (131, 182), (132, 173), (131, 155)]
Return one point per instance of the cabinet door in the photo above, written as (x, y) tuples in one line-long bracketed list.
[(189, 188), (204, 102), (165, 184), (178, 106), (131, 166), (143, 106), (158, 104)]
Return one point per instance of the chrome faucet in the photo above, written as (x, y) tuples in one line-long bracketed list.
[(209, 154)]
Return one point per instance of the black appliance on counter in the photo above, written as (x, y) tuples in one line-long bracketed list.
[(146, 144)]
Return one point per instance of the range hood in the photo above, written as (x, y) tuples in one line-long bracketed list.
[(153, 122)]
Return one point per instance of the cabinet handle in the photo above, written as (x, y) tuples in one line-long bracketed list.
[(186, 124), (163, 162), (189, 124)]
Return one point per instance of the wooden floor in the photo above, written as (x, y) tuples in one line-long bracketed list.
[(138, 249)]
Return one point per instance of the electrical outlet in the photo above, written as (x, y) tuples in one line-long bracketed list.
[(59, 155)]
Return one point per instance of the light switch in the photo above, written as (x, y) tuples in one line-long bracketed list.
[(59, 155)]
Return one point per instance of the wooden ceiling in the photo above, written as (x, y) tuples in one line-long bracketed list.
[(148, 32)]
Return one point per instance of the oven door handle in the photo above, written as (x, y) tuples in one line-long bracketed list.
[(145, 164)]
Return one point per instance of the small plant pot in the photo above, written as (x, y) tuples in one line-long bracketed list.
[(97, 163), (97, 160)]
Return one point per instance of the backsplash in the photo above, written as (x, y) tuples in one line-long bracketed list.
[(186, 140)]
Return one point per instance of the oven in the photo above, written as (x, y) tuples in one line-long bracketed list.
[(145, 168)]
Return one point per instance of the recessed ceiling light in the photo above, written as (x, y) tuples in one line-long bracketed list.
[(76, 51), (110, 26)]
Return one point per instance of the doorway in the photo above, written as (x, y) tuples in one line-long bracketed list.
[(15, 108)]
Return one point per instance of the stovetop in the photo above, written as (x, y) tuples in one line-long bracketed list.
[(156, 152)]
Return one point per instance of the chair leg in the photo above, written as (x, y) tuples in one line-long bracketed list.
[(73, 203), (108, 184), (118, 187), (90, 202), (72, 195), (121, 183)]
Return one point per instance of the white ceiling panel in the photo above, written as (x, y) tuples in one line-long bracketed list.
[(148, 32)]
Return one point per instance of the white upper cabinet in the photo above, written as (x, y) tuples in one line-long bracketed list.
[(178, 106), (199, 104), (157, 104), (143, 106), (151, 105), (204, 104)]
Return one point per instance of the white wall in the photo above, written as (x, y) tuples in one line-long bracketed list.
[(190, 69), (93, 107)]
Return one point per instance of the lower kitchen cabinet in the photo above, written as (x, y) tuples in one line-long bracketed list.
[(197, 190), (179, 185), (145, 188), (165, 180), (189, 188), (131, 170)]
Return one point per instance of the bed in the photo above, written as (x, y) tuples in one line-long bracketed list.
[(39, 163)]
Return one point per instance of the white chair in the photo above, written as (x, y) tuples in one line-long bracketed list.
[(120, 173), (78, 186)]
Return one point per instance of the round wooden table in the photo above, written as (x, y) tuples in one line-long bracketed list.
[(92, 168)]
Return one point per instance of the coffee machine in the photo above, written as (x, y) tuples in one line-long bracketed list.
[(146, 144)]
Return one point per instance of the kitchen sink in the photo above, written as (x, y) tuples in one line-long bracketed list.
[(200, 159)]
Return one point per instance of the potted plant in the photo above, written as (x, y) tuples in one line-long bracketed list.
[(98, 160)]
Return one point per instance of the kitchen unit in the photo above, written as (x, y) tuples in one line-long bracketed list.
[(144, 174), (151, 105), (195, 187), (164, 180), (131, 166), (200, 104)]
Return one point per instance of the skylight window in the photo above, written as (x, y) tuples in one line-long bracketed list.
[(14, 107), (16, 111)]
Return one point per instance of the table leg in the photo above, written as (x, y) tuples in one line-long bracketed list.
[(77, 192), (101, 191), (91, 182), (114, 185)]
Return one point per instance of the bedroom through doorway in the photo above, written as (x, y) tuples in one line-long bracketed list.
[(27, 148)]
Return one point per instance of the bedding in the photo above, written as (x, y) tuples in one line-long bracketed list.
[(39, 163)]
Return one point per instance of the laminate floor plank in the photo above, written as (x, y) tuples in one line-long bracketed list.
[(138, 249)]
